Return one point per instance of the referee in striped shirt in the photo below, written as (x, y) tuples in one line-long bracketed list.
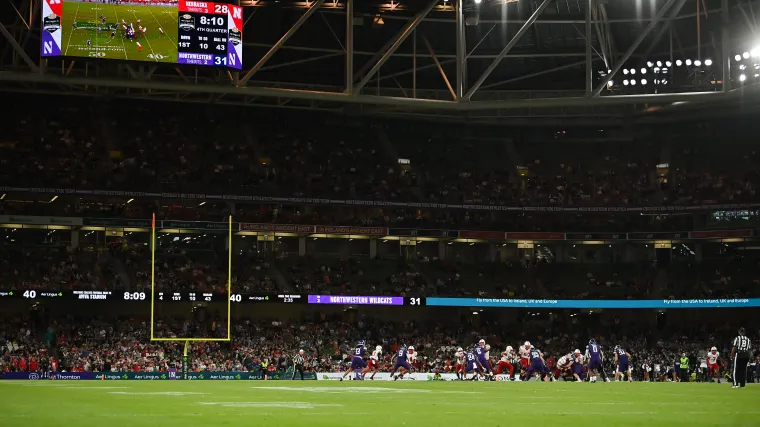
[(740, 354), (299, 361)]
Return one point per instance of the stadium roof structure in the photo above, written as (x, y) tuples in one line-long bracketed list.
[(489, 61)]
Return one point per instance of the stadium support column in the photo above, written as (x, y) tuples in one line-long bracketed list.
[(642, 35), (725, 59), (461, 50), (301, 245), (507, 48), (402, 35), (18, 49), (74, 239), (372, 248), (441, 250), (589, 62), (349, 47), (663, 29), (314, 7)]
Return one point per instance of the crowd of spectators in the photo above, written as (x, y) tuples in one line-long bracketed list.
[(107, 147), (122, 345)]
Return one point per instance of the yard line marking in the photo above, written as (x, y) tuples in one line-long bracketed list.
[(146, 39), (122, 35), (71, 31)]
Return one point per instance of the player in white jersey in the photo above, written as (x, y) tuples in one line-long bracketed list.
[(524, 351), (712, 363), (459, 356), (374, 362), (506, 362), (568, 363)]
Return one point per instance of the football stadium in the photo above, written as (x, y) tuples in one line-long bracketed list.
[(406, 212), (114, 30)]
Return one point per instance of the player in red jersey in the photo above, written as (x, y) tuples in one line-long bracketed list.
[(374, 363), (524, 351), (460, 363), (504, 362), (712, 363)]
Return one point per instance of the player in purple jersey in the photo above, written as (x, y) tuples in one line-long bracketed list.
[(357, 360), (402, 362), (594, 358), (537, 364), (622, 360), (472, 364), (481, 352)]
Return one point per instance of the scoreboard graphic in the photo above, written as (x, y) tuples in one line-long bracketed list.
[(170, 31)]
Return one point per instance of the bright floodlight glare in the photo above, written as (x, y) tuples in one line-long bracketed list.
[(698, 63), (678, 63), (659, 63), (742, 78), (688, 62), (755, 52), (738, 58), (668, 63), (708, 62), (625, 71), (633, 82), (625, 82), (643, 81), (610, 83), (633, 71), (643, 71), (650, 64), (478, 1), (745, 55)]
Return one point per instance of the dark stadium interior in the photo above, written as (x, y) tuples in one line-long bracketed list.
[(162, 218)]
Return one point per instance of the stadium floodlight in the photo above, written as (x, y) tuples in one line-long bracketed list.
[(708, 62), (478, 1), (633, 71), (742, 67), (650, 64), (697, 63), (738, 58), (678, 63), (757, 75), (656, 70), (610, 83), (659, 63), (755, 52), (745, 55), (643, 81), (664, 81), (633, 82), (643, 71), (625, 71), (656, 81), (668, 63), (742, 78), (688, 62)]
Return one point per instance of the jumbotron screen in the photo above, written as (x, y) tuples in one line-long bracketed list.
[(174, 31)]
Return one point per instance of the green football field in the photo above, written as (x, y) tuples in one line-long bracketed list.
[(155, 46), (373, 403)]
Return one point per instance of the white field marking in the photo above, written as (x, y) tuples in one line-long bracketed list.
[(158, 24), (288, 405), (121, 36), (669, 414), (363, 389), (146, 38), (157, 393), (71, 30)]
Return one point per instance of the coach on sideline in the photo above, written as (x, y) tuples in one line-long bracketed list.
[(740, 356)]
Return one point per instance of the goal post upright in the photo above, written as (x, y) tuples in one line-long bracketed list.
[(187, 341), (152, 275), (229, 281)]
